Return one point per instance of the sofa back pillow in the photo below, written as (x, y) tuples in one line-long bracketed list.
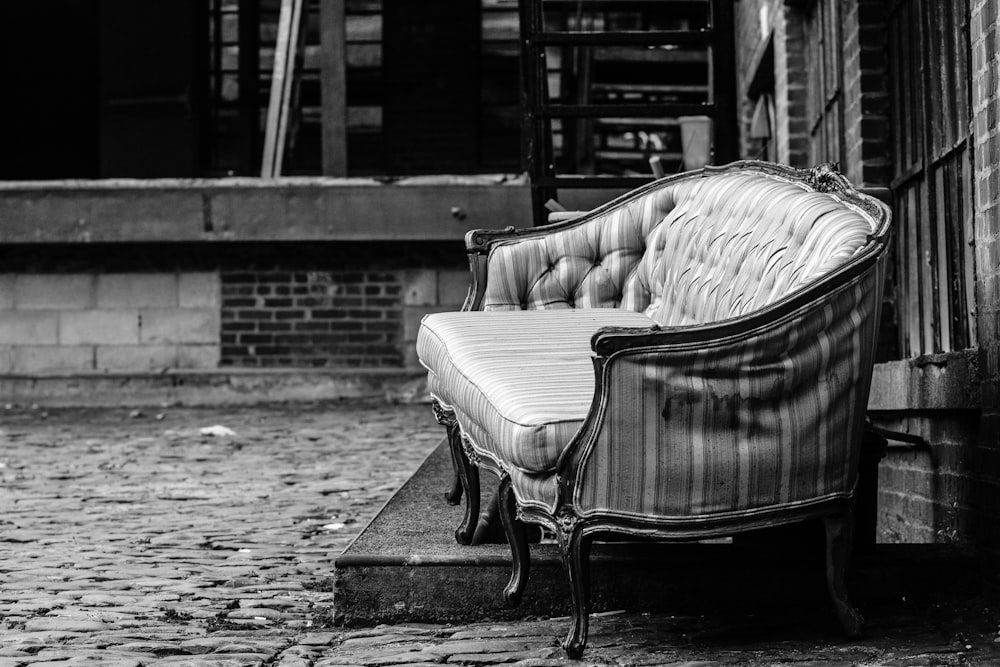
[(694, 251), (735, 244)]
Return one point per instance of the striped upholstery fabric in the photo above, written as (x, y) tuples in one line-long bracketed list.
[(695, 251), (769, 420), (765, 422), (520, 383)]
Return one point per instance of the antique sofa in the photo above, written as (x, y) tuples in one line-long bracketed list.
[(690, 360)]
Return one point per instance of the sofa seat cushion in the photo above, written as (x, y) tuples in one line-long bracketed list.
[(520, 383)]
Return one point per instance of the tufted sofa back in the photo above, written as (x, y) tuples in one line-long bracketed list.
[(693, 251)]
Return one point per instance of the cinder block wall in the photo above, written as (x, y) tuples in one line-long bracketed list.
[(983, 35), (80, 322), (142, 322), (429, 291), (218, 306)]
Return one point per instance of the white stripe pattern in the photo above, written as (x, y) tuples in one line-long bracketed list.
[(521, 383), (768, 421)]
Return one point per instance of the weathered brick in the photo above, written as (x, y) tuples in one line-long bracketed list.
[(137, 290), (346, 325), (52, 358), (270, 326), (51, 291), (198, 290), (312, 326), (136, 357), (180, 325), (38, 328), (231, 326), (252, 314), (382, 302), (983, 20), (270, 350), (99, 327), (242, 278), (329, 314), (256, 339)]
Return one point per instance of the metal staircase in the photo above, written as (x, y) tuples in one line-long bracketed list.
[(605, 82)]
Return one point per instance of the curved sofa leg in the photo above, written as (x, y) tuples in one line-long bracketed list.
[(839, 534), (468, 472), (575, 550), (454, 494), (489, 529), (517, 537), (447, 419)]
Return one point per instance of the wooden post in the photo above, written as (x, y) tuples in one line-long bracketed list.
[(333, 86), (723, 83), (278, 106)]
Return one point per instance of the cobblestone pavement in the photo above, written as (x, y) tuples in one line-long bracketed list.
[(131, 538)]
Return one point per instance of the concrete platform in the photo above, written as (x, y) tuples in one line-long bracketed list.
[(231, 386), (406, 566)]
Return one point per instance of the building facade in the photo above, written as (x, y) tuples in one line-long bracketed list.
[(185, 277), (903, 94)]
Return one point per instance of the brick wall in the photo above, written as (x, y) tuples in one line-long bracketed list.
[(867, 135), (331, 318), (950, 491), (866, 98), (983, 34), (925, 494), (79, 322), (866, 110), (76, 309), (310, 318), (758, 21)]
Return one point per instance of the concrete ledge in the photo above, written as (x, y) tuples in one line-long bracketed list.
[(934, 382), (216, 387), (244, 209)]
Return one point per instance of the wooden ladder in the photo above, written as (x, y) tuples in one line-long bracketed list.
[(539, 110)]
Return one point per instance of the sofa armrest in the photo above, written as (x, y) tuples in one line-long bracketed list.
[(788, 394)]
